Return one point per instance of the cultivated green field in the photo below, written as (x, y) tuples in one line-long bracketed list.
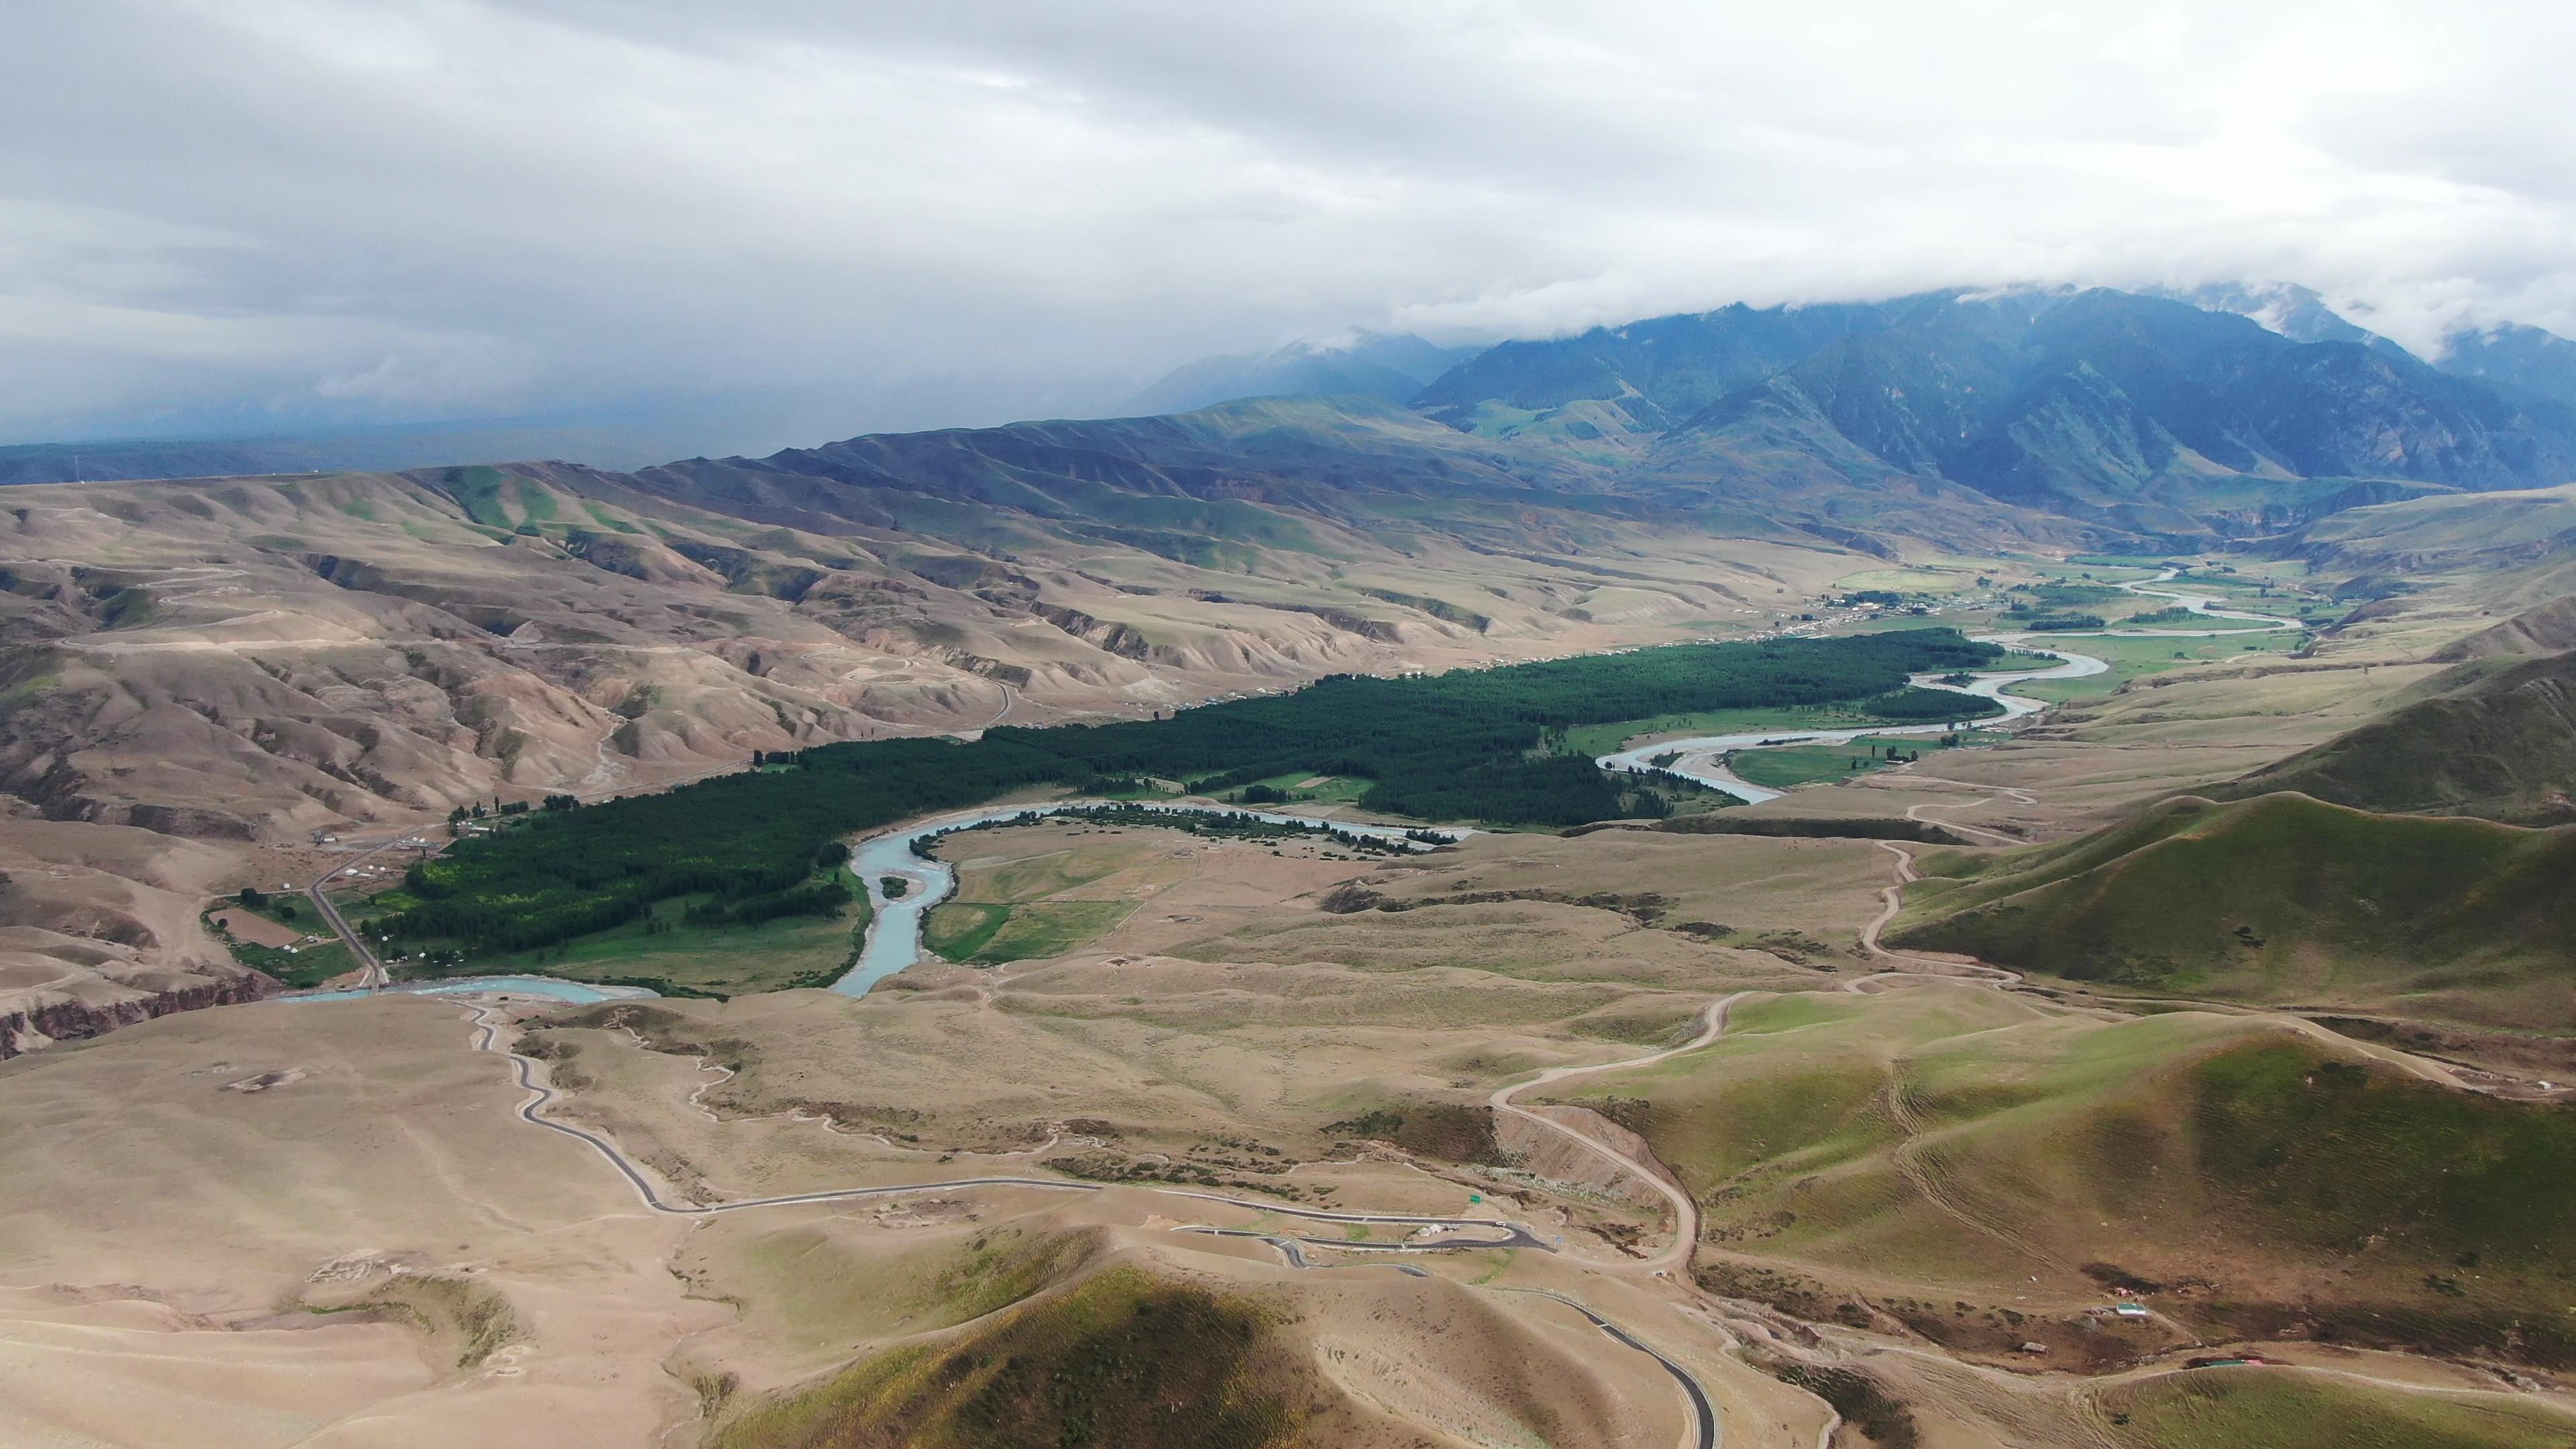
[(1029, 907), (308, 966), (1328, 789), (981, 934), (2136, 658), (1786, 766), (1594, 741), (666, 952)]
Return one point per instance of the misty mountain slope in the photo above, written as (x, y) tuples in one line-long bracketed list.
[(2296, 312), (2129, 401), (2525, 361), (2141, 414), (1365, 364), (1657, 372)]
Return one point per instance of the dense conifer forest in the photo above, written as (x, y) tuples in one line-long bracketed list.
[(1470, 745)]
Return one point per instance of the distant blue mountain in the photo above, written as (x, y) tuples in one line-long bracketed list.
[(1356, 364)]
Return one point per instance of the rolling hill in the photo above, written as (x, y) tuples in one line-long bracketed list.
[(1136, 1353), (2445, 530), (2280, 898), (2548, 628), (257, 657), (2495, 738), (1974, 1169)]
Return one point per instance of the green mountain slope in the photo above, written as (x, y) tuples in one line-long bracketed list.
[(2496, 739), (2279, 898)]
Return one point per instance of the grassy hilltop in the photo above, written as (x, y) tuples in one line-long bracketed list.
[(2279, 898), (1980, 1169), (2495, 738)]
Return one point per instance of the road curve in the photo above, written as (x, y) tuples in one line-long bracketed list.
[(1685, 1208), (1891, 900), (1704, 1413)]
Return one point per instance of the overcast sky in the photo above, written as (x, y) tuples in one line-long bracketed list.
[(217, 211)]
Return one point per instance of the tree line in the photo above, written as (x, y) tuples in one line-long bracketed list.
[(1457, 746)]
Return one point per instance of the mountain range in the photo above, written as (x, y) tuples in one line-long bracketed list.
[(2147, 415), (2093, 417)]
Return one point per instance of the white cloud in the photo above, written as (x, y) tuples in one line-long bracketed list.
[(387, 208)]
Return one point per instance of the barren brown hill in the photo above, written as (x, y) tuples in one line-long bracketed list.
[(259, 661), (257, 657)]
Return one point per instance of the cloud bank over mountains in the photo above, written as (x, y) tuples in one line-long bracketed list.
[(287, 213)]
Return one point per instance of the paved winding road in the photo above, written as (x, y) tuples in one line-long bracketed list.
[(1704, 1431)]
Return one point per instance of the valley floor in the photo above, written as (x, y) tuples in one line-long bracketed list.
[(1389, 1140)]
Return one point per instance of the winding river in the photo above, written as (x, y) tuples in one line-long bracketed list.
[(578, 993), (894, 935), (893, 941), (1703, 757)]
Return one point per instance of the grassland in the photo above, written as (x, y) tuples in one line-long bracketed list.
[(2286, 1409), (1943, 1137), (984, 934), (1597, 740), (1306, 787), (2495, 738), (809, 1286), (306, 966), (1041, 891)]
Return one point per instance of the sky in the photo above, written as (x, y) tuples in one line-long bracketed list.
[(246, 215)]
